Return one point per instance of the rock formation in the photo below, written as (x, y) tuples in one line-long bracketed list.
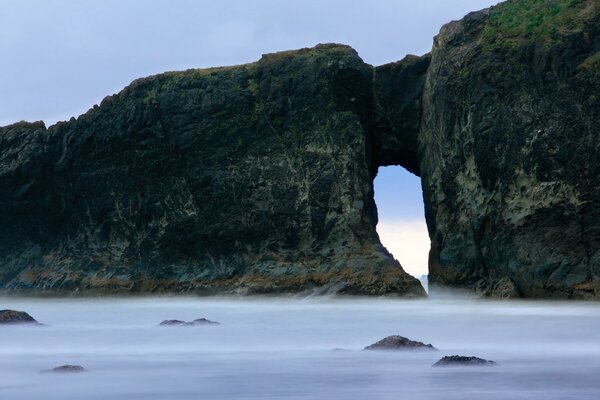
[(465, 361), (196, 322), (509, 148), (12, 317), (66, 369), (255, 178), (258, 178), (396, 342)]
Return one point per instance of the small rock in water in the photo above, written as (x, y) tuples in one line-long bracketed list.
[(199, 321), (396, 342), (449, 361), (16, 317), (67, 368)]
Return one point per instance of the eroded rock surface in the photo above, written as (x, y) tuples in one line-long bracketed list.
[(258, 178), (254, 179), (509, 150)]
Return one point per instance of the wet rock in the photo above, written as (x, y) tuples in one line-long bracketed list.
[(450, 361), (67, 369), (397, 342), (504, 289), (12, 317), (196, 322)]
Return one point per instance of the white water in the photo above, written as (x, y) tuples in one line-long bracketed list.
[(281, 348)]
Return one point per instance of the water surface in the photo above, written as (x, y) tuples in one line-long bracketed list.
[(281, 348)]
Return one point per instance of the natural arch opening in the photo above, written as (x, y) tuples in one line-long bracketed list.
[(401, 219)]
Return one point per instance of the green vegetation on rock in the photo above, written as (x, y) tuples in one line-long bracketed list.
[(541, 21)]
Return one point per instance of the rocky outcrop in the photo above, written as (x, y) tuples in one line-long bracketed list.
[(12, 317), (457, 361), (196, 322), (254, 179), (66, 369), (258, 178), (396, 342), (508, 151)]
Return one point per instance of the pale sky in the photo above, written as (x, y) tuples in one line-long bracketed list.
[(61, 57)]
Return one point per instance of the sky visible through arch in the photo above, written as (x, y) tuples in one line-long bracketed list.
[(60, 57)]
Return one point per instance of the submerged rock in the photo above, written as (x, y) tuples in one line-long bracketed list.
[(66, 369), (12, 317), (450, 361), (196, 322), (396, 342)]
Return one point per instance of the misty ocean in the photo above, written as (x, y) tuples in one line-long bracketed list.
[(282, 348)]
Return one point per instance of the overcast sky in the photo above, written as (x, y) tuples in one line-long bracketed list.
[(59, 58)]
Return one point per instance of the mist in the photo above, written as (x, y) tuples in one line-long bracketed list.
[(267, 348)]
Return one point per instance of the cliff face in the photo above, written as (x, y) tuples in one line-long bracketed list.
[(509, 150), (258, 178), (255, 178)]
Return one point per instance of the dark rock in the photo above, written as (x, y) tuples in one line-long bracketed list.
[(396, 342), (509, 152), (16, 317), (450, 361), (259, 178), (254, 178), (196, 322), (505, 288), (67, 369)]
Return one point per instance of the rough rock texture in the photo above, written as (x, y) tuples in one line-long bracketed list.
[(16, 317), (396, 342), (196, 322), (255, 178), (456, 361), (505, 288), (258, 178), (509, 149)]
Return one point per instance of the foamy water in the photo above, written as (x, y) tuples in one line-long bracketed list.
[(281, 348)]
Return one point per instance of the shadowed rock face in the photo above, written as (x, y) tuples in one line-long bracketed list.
[(258, 178), (255, 178), (509, 150)]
